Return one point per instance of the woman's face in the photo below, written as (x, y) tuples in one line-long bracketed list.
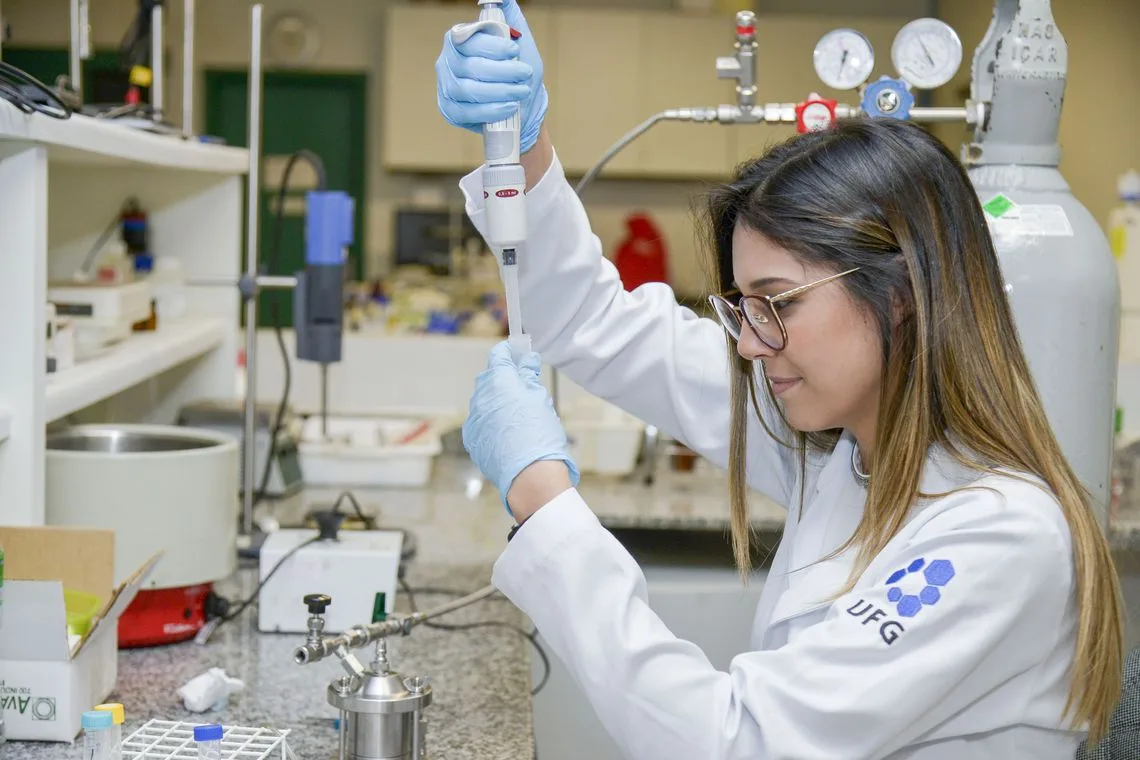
[(828, 374)]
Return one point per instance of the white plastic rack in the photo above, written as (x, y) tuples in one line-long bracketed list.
[(173, 740)]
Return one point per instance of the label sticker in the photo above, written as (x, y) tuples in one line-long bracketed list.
[(998, 206), (1040, 220)]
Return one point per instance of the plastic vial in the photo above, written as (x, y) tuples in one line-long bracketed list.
[(97, 725), (209, 741), (117, 716)]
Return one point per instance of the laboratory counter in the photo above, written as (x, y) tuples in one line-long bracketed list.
[(459, 517), (481, 678), (465, 520)]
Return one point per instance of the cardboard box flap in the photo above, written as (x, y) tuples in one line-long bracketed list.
[(35, 627), (82, 559), (122, 597)]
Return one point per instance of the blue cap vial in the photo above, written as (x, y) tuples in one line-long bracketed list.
[(96, 719), (207, 733)]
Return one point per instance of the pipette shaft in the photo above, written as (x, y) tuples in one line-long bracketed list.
[(504, 184)]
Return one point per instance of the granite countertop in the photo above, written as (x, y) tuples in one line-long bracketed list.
[(481, 678), (460, 517)]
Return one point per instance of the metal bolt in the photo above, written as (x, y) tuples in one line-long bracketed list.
[(344, 685), (888, 101), (416, 684)]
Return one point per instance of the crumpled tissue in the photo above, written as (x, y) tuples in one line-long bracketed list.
[(209, 691)]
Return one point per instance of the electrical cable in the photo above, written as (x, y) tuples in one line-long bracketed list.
[(532, 636), (135, 49), (228, 615), (274, 310), (29, 94)]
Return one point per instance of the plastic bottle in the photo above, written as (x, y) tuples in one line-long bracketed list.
[(209, 741), (97, 740), (1124, 235), (169, 283), (117, 716)]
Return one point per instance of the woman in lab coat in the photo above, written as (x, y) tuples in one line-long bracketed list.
[(942, 589)]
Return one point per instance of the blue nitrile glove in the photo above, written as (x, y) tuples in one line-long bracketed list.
[(512, 423), (484, 78)]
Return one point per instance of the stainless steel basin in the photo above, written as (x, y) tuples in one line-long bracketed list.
[(116, 440)]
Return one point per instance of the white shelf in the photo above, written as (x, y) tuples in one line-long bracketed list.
[(140, 357), (86, 141)]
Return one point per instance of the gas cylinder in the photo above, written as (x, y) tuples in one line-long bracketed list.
[(1062, 285), (1059, 272)]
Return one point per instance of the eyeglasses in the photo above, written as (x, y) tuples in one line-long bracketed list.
[(761, 312)]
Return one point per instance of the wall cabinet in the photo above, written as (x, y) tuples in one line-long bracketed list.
[(607, 70), (415, 136)]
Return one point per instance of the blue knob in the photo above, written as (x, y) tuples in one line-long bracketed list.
[(887, 98)]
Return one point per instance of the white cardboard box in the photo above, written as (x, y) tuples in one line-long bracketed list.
[(46, 684)]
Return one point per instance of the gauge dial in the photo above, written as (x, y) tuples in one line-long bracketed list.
[(927, 53), (843, 59)]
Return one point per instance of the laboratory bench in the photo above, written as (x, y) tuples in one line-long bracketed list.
[(481, 678), (460, 517)]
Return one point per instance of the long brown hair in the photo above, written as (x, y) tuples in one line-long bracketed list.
[(885, 196)]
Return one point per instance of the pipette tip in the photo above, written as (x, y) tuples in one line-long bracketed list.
[(519, 345)]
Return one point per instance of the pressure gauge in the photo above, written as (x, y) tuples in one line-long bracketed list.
[(927, 53), (843, 59)]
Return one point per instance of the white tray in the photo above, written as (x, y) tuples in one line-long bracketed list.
[(172, 740), (369, 451)]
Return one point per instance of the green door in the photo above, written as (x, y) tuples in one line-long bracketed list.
[(323, 113)]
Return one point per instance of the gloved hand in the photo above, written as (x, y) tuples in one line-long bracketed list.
[(486, 78), (511, 423)]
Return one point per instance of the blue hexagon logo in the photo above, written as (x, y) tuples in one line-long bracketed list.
[(918, 585)]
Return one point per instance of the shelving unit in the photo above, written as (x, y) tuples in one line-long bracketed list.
[(139, 358), (87, 141), (61, 183)]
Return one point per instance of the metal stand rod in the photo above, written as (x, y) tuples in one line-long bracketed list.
[(187, 68), (263, 282), (251, 258), (157, 63), (324, 400), (79, 44)]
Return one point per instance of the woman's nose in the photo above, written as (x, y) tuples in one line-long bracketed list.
[(750, 347)]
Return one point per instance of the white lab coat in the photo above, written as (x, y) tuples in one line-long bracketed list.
[(975, 667)]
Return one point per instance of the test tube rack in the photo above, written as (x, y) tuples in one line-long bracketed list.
[(174, 740)]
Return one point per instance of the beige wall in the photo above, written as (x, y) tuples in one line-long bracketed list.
[(1099, 129)]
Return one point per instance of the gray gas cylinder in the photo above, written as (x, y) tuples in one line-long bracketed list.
[(1059, 272), (1062, 284)]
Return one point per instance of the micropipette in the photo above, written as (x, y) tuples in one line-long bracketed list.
[(504, 182)]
